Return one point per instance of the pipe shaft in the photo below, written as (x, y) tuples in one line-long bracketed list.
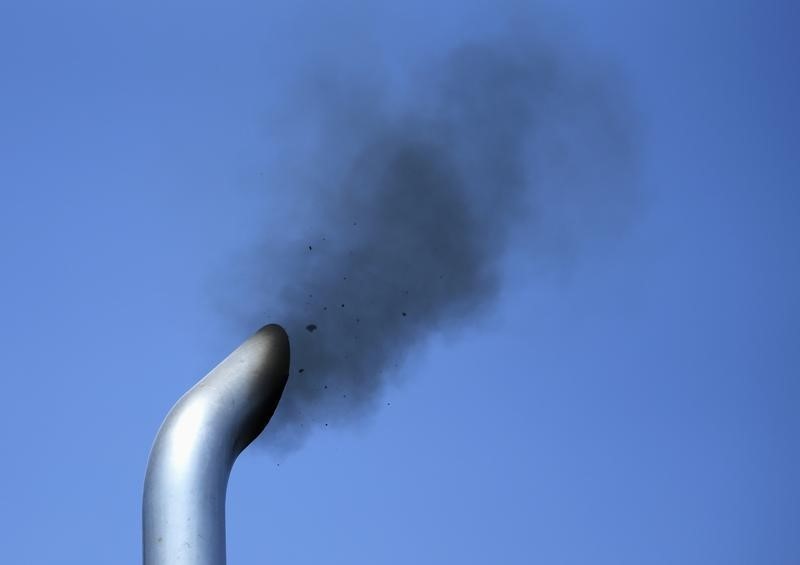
[(183, 511)]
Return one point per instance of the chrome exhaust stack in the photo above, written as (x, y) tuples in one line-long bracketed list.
[(183, 511)]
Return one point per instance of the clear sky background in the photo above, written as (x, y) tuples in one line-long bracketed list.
[(636, 405)]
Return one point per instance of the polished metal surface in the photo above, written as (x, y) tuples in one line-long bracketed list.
[(183, 511)]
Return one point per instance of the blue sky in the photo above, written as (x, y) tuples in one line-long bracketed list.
[(635, 405)]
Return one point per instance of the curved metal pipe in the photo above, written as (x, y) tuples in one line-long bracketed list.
[(183, 511)]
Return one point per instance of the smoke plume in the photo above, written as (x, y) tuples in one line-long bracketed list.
[(407, 195)]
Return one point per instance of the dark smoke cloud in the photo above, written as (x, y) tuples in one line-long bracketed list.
[(408, 195)]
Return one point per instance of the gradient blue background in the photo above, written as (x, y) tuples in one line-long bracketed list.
[(638, 405)]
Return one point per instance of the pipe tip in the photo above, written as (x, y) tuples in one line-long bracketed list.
[(275, 341), (262, 363), (274, 332)]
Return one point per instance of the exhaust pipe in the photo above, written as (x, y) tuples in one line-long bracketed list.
[(183, 511)]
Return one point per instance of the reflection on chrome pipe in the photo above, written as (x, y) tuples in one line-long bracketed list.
[(183, 512)]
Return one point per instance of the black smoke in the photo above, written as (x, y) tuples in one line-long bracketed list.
[(408, 195)]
